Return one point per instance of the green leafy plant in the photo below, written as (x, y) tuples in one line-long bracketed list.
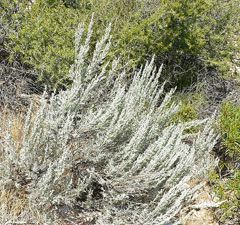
[(185, 36), (227, 183), (190, 105), (44, 38), (230, 129), (45, 41), (228, 191)]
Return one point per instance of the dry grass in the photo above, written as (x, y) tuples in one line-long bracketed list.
[(202, 215), (12, 200), (17, 122)]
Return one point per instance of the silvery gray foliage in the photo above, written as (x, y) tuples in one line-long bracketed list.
[(107, 145)]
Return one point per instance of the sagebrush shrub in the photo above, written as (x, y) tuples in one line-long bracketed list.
[(104, 146)]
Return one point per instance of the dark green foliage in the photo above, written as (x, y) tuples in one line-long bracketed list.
[(45, 40), (11, 13), (45, 35), (80, 4), (185, 36)]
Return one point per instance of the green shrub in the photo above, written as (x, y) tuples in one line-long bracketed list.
[(45, 37), (230, 129), (228, 190), (190, 106), (227, 186), (45, 40), (10, 17), (185, 36), (80, 4)]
